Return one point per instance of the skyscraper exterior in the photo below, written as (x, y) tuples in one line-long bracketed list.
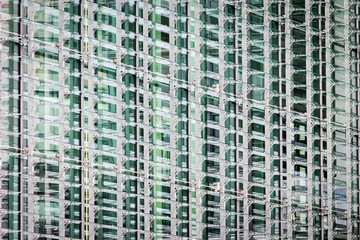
[(179, 119)]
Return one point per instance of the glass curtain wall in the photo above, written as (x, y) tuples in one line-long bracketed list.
[(178, 119)]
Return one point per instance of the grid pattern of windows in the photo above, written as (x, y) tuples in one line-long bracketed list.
[(177, 119)]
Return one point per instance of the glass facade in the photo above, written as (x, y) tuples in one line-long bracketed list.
[(177, 119)]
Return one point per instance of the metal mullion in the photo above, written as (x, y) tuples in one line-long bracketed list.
[(137, 85), (267, 121), (288, 125), (246, 120), (21, 127), (321, 187), (328, 127), (282, 141), (309, 166), (82, 124), (188, 138), (358, 107), (347, 129), (237, 137)]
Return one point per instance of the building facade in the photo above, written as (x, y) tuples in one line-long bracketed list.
[(176, 119)]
